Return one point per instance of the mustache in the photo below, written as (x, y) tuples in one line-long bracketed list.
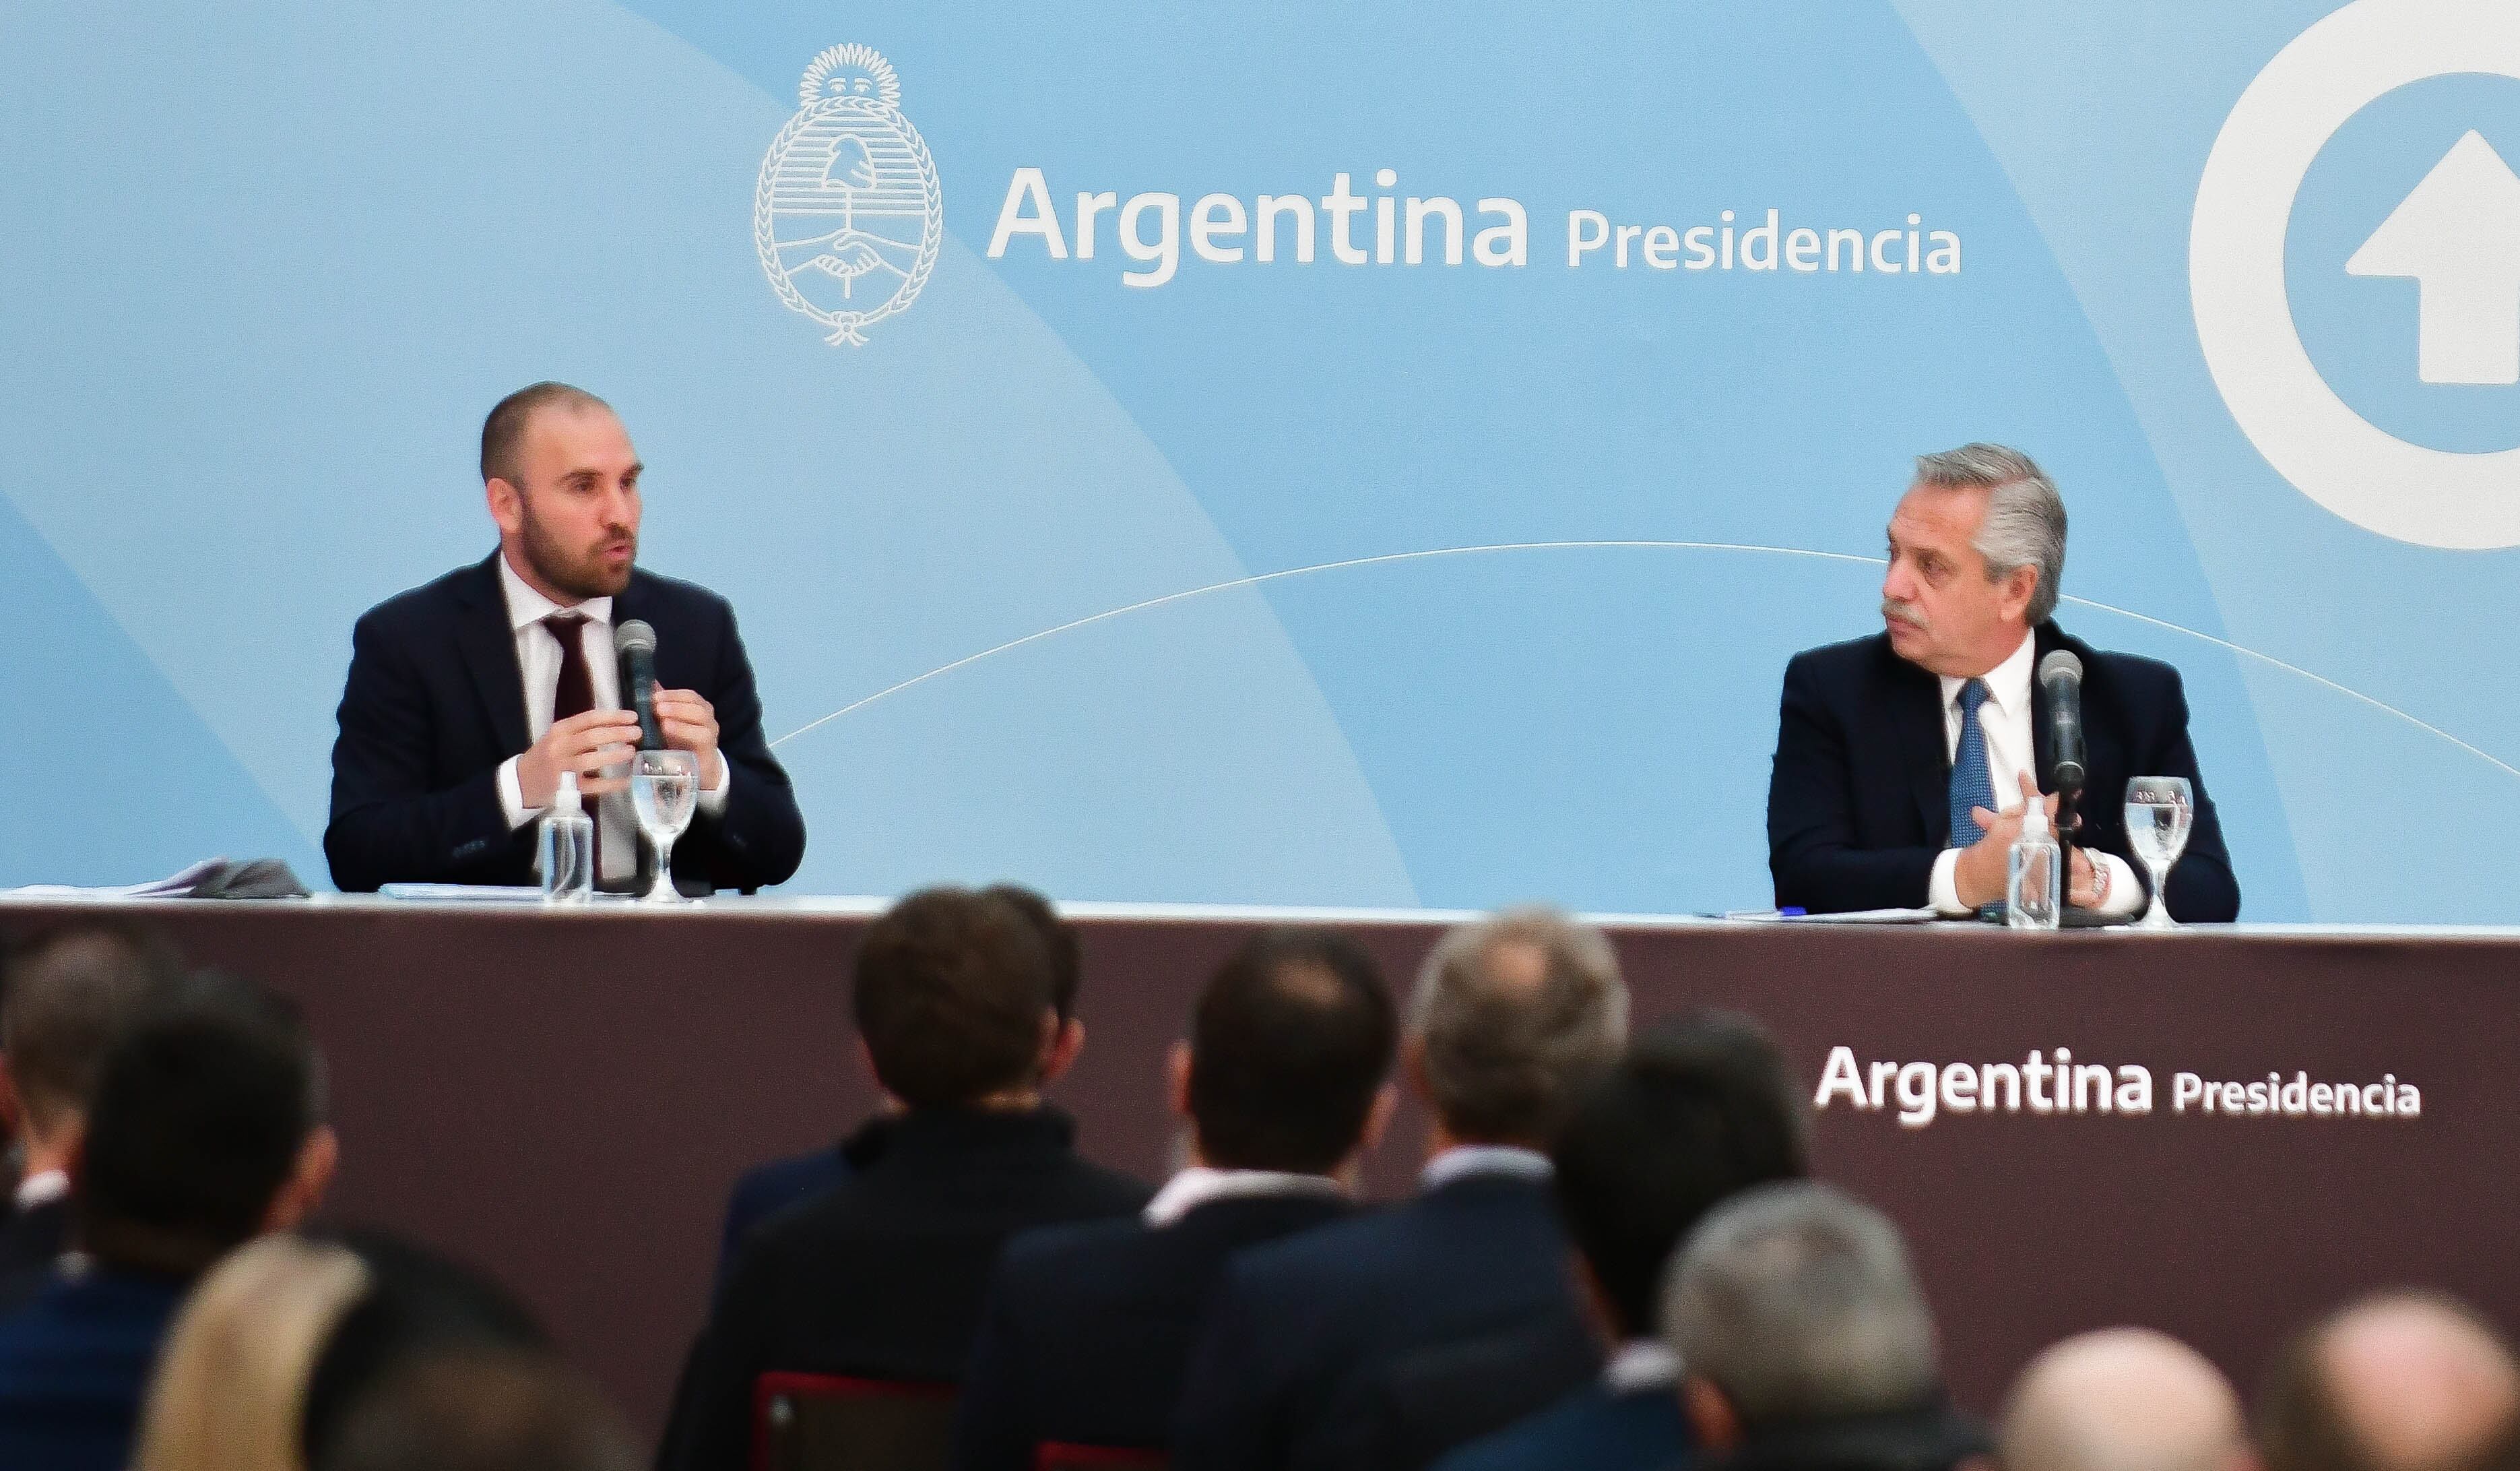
[(1906, 612)]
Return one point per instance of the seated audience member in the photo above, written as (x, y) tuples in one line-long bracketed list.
[(882, 1277), (1512, 1017), (1282, 1084), (2123, 1399), (2398, 1382), (71, 993), (228, 1387), (485, 1409), (1696, 1112), (1804, 1343), (285, 1341), (765, 1190), (206, 1131)]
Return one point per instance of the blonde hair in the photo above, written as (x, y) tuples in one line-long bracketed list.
[(230, 1390)]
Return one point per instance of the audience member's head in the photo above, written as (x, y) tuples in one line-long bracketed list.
[(207, 1128), (2123, 1399), (1513, 1016), (1066, 970), (1695, 1113), (71, 994), (417, 1305), (954, 998), (2399, 1382), (231, 1379), (1289, 1047), (1794, 1302), (485, 1411)]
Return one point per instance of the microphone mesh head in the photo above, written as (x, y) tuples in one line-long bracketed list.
[(636, 634), (2060, 664)]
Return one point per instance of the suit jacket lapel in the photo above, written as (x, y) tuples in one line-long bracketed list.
[(1916, 714), (488, 644)]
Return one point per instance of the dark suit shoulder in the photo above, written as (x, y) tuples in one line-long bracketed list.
[(426, 605), (1848, 656)]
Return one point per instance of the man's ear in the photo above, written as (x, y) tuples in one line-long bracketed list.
[(1378, 1118), (1067, 1041), (1709, 1414), (507, 505), (302, 1193), (12, 1112), (2019, 585), (1177, 1066), (1412, 1067)]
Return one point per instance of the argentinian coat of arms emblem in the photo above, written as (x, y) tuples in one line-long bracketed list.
[(848, 215)]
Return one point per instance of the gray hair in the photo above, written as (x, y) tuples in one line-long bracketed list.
[(2025, 517), (1796, 1301), (1513, 1015)]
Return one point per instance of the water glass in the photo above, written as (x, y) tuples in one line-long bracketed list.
[(2158, 812), (664, 789)]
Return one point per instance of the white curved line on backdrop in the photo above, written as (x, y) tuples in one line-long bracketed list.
[(1430, 554)]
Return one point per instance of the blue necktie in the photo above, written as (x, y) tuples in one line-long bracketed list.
[(1971, 785)]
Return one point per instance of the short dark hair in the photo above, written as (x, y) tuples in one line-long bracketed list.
[(1293, 1037), (950, 992), (72, 992), (483, 1409), (1067, 956), (505, 429), (417, 1304), (1697, 1112), (198, 1119)]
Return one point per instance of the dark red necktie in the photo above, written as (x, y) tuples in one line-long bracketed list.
[(575, 695)]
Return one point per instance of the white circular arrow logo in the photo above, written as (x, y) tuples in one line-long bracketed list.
[(2457, 234)]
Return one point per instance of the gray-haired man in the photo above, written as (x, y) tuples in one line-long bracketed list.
[(1905, 760), (1803, 1342)]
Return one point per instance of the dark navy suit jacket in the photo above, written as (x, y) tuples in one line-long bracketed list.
[(765, 1190), (74, 1365), (884, 1275), (1285, 1373), (1089, 1327), (1859, 803), (1595, 1428), (435, 702)]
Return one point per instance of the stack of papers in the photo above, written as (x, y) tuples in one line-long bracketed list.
[(173, 885)]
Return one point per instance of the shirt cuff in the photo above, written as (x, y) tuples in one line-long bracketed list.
[(2126, 892), (713, 802), (1943, 890), (512, 796)]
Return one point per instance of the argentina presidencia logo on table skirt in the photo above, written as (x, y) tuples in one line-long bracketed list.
[(848, 215)]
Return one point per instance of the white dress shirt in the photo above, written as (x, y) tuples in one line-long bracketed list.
[(2005, 720), (43, 1188), (538, 657), (1640, 1364), (1484, 1158), (1197, 1186)]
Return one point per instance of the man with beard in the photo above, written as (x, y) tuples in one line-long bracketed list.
[(469, 696), (1904, 761)]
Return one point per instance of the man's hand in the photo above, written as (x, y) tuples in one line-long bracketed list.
[(1986, 865), (690, 724), (585, 744)]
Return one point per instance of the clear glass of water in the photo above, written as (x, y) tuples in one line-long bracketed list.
[(664, 789), (2158, 811)]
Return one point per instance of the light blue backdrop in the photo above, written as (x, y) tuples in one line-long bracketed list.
[(1442, 586)]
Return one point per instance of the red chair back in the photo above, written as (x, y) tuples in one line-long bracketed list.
[(1065, 1455), (832, 1422)]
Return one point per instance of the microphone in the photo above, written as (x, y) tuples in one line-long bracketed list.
[(636, 645), (2060, 675)]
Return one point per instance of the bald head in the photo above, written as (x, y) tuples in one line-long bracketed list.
[(2403, 1382), (2123, 1399)]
